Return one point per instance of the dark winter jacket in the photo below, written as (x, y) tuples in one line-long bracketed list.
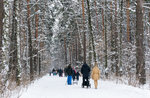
[(85, 70), (74, 72), (69, 71), (60, 71), (65, 71)]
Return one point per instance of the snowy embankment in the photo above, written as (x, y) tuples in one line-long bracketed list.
[(55, 87)]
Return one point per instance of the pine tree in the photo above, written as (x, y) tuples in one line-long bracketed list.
[(105, 37), (1, 30), (13, 60), (84, 35), (120, 34), (128, 20), (140, 56), (91, 37), (29, 40)]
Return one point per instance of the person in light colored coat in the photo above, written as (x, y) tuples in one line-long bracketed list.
[(95, 74)]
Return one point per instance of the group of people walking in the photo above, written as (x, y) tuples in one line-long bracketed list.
[(85, 72), (56, 71), (72, 73)]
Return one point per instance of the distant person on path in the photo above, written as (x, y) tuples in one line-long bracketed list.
[(69, 73), (95, 74), (65, 71), (60, 71), (50, 73), (54, 72), (85, 70), (77, 73), (74, 74)]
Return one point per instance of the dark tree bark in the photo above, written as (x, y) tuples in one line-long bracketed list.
[(1, 30), (13, 61), (96, 17), (70, 53), (149, 17), (29, 41), (36, 41), (116, 39), (105, 50), (91, 37), (65, 48), (39, 61), (120, 35), (76, 48), (114, 43), (103, 20), (140, 57), (128, 20), (112, 36)]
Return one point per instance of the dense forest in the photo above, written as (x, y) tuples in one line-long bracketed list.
[(38, 35)]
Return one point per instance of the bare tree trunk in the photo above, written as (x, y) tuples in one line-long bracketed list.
[(36, 41), (128, 20), (91, 37), (105, 51), (29, 40), (39, 63), (65, 48), (103, 34), (1, 30), (114, 43), (149, 34), (149, 17), (13, 61), (116, 40), (79, 48), (96, 17), (84, 35), (36, 21), (70, 54), (120, 35), (140, 57), (103, 20), (76, 47), (112, 36)]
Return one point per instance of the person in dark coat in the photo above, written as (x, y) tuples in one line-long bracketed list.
[(50, 73), (74, 74), (77, 75), (60, 71), (69, 71), (85, 70), (65, 71), (54, 72)]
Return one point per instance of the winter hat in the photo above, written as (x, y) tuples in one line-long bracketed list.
[(96, 64)]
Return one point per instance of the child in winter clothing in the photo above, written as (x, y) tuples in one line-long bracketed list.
[(75, 76)]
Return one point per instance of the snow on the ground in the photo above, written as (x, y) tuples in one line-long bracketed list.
[(56, 87)]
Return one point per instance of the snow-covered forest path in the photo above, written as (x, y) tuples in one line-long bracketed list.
[(55, 87)]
